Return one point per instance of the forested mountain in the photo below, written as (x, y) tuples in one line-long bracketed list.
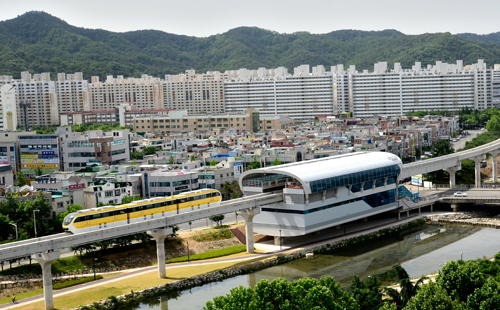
[(491, 38), (39, 42)]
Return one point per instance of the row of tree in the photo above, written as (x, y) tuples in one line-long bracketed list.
[(472, 285)]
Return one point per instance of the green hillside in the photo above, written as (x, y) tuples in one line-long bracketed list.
[(39, 42)]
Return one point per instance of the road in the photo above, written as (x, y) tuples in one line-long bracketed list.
[(460, 144)]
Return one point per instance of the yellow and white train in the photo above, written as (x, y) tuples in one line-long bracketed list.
[(140, 210)]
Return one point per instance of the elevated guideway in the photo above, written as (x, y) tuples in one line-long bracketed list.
[(44, 249), (65, 240), (451, 163)]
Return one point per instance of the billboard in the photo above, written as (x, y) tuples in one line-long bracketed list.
[(417, 180), (76, 186), (238, 168)]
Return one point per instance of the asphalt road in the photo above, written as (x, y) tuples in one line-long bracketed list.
[(460, 144)]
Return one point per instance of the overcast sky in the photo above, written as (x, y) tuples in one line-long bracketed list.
[(202, 18)]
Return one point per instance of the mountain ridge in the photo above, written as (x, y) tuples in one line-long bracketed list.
[(39, 42)]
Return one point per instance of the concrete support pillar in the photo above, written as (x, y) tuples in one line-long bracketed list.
[(432, 208), (277, 240), (452, 171), (399, 215), (477, 161), (159, 235), (494, 166), (45, 260), (455, 207), (163, 302), (248, 215), (419, 210), (408, 213)]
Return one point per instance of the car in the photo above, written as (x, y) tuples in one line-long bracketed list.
[(454, 140), (460, 194)]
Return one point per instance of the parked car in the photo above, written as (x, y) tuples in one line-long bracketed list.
[(460, 194)]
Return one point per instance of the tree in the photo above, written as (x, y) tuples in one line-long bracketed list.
[(276, 162), (192, 158), (368, 293), (407, 288), (217, 219), (20, 179), (7, 228), (38, 171), (305, 293), (441, 148), (150, 150), (460, 279), (129, 199), (190, 223), (254, 164), (485, 297), (213, 162), (136, 155), (171, 160), (431, 297), (494, 124)]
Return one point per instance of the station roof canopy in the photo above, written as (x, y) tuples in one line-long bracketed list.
[(327, 167)]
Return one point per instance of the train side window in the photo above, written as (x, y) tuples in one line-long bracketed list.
[(78, 219), (158, 205), (183, 200), (190, 199), (97, 216)]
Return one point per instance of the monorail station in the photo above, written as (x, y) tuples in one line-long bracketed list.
[(325, 192)]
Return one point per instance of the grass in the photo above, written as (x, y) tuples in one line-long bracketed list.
[(221, 233), (211, 254), (123, 286), (57, 286)]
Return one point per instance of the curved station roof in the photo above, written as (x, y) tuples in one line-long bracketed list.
[(327, 167)]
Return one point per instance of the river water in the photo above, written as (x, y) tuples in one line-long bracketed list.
[(420, 252)]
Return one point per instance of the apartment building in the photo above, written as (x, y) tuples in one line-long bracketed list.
[(398, 91), (196, 93), (146, 93), (93, 147), (8, 111), (72, 93), (300, 96), (36, 99)]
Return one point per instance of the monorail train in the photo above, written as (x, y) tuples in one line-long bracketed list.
[(140, 210)]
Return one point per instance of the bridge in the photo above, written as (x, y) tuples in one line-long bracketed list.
[(452, 163), (44, 249)]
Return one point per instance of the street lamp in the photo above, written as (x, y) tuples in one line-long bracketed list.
[(461, 255), (280, 239), (34, 221), (15, 225), (95, 260), (188, 249)]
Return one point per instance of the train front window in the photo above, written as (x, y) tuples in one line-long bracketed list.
[(68, 219)]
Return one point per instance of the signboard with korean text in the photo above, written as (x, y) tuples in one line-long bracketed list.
[(76, 186)]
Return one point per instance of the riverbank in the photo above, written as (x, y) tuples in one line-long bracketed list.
[(482, 218)]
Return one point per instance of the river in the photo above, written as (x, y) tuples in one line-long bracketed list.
[(420, 252)]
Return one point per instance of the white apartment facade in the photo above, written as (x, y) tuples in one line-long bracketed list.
[(8, 111), (300, 96), (144, 93), (72, 93), (399, 91), (196, 93)]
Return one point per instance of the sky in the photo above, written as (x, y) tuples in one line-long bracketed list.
[(203, 18)]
